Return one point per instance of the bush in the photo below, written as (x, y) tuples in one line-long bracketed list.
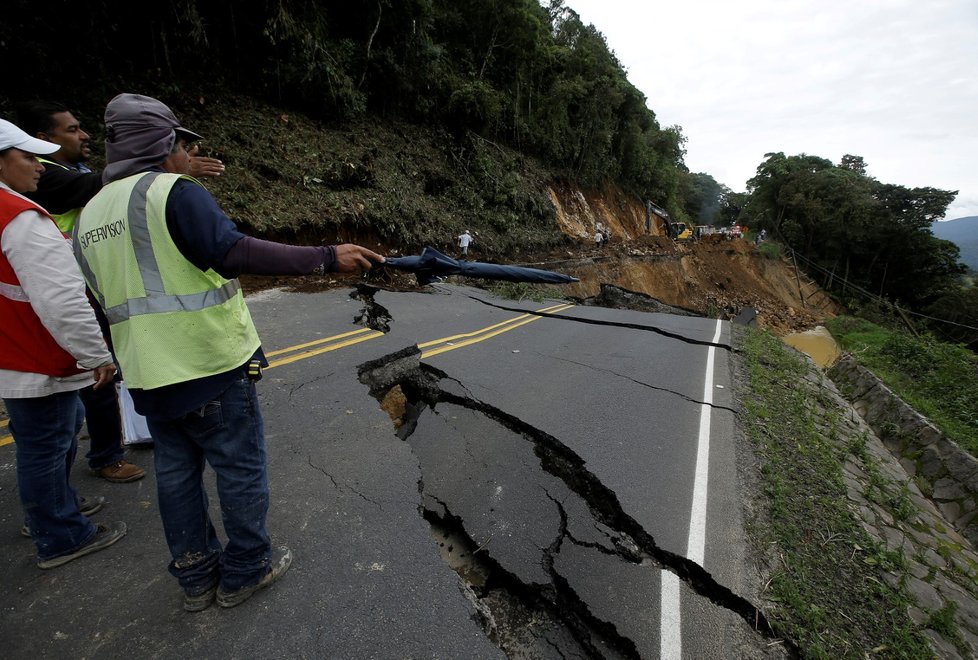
[(939, 379), (769, 250)]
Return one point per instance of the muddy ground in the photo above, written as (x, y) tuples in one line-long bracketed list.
[(397, 188)]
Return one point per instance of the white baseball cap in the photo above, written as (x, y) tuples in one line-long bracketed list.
[(12, 137)]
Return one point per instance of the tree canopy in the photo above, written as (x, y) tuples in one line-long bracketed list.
[(853, 227), (530, 76), (522, 73)]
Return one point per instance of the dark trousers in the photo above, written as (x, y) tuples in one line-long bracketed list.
[(44, 430), (227, 434), (104, 420)]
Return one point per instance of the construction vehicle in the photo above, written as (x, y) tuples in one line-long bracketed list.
[(680, 232), (699, 231)]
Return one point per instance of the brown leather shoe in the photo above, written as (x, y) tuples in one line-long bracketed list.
[(120, 472)]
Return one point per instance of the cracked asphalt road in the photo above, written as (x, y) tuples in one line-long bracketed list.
[(527, 489)]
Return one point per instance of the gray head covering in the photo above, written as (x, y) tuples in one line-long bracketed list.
[(139, 134)]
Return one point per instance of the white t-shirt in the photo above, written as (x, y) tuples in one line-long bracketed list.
[(464, 240)]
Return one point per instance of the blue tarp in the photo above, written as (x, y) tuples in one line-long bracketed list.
[(431, 265)]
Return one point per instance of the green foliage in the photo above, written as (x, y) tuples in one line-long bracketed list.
[(769, 250), (959, 308), (938, 379), (853, 228), (828, 591), (525, 291), (702, 197), (532, 77)]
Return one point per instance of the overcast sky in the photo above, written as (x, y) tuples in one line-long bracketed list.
[(893, 81)]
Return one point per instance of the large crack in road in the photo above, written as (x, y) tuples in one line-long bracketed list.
[(537, 539)]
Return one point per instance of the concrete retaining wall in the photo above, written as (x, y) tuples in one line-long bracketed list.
[(944, 472)]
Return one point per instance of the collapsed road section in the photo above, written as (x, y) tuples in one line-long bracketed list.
[(544, 550)]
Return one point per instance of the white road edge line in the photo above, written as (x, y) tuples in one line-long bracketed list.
[(670, 621)]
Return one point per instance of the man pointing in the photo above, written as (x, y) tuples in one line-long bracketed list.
[(186, 343)]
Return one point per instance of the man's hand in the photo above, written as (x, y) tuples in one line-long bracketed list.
[(353, 258), (104, 376), (204, 165)]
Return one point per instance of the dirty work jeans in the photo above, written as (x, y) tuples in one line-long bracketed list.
[(104, 419), (228, 435), (45, 431)]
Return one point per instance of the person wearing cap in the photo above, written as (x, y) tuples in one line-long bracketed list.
[(65, 187), (162, 260), (51, 347), (463, 242)]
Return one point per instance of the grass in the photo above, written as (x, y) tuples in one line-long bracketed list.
[(828, 579), (937, 379), (525, 291)]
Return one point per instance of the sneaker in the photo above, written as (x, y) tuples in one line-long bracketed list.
[(201, 601), (106, 535), (87, 507), (281, 560), (120, 472)]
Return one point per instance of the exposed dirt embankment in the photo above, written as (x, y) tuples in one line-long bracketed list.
[(713, 275)]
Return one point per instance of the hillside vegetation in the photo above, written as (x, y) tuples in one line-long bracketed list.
[(510, 91)]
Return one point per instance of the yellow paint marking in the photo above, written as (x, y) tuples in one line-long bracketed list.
[(316, 342), (327, 349), (547, 310), (489, 331), (476, 336)]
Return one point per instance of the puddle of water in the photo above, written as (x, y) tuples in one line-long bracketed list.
[(459, 553), (817, 343)]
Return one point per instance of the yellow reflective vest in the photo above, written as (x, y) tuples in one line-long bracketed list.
[(65, 221), (170, 321)]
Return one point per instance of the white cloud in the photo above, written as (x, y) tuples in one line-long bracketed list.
[(893, 81)]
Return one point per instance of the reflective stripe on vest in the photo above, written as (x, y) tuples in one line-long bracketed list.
[(26, 345), (170, 321)]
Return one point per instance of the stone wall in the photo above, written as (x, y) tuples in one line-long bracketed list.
[(945, 473)]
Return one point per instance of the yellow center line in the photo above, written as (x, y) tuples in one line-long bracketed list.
[(316, 342), (496, 325), (366, 334), (489, 331), (308, 354)]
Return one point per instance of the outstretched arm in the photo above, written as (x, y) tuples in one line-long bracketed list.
[(204, 166)]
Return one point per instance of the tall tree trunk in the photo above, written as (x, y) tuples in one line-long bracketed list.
[(370, 42)]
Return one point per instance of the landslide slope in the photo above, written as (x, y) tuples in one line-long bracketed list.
[(397, 188)]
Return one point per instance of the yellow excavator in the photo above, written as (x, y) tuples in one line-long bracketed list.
[(680, 231)]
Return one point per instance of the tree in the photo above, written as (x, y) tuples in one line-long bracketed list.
[(852, 228)]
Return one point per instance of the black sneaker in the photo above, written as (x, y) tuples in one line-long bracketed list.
[(281, 560), (106, 535), (87, 507), (201, 601)]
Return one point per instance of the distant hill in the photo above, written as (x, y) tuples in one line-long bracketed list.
[(963, 232)]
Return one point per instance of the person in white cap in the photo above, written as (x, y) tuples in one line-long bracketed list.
[(162, 260), (51, 346), (464, 240)]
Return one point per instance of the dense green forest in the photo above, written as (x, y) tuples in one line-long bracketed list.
[(523, 74)]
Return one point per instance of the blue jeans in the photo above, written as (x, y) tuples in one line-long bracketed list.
[(104, 418), (228, 434), (45, 430)]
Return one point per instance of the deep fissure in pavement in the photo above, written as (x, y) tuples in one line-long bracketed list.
[(412, 392), (373, 315)]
